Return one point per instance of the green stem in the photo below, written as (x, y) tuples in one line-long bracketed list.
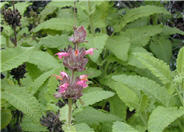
[(90, 18), (69, 112)]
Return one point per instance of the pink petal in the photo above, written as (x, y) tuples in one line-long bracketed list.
[(61, 54), (89, 51), (84, 77), (63, 88), (64, 74), (82, 83)]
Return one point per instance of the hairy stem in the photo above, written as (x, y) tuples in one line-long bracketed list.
[(75, 14), (14, 28), (90, 18)]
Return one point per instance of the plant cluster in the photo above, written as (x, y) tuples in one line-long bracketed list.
[(121, 66)]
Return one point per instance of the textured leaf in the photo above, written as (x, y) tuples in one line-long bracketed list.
[(91, 72), (161, 117), (162, 48), (90, 115), (43, 60), (171, 30), (22, 6), (6, 117), (97, 42), (83, 128), (140, 36), (149, 87), (126, 94), (117, 107), (57, 41), (119, 46), (180, 61), (57, 24), (95, 96), (39, 81), (122, 127), (13, 57), (23, 101), (29, 126), (142, 11), (156, 66)]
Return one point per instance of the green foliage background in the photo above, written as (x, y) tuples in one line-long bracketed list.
[(129, 72)]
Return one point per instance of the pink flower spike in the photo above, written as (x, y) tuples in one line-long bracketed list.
[(63, 88), (64, 74), (84, 77), (82, 83), (61, 54), (89, 51)]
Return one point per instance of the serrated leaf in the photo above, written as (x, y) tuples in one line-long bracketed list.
[(149, 87), (90, 115), (97, 42), (122, 127), (44, 60), (57, 24), (23, 101), (161, 117), (90, 98), (171, 30), (13, 57), (119, 46), (142, 11), (126, 94), (57, 41), (83, 127), (39, 81), (180, 61), (162, 48), (140, 36), (6, 117), (157, 67), (29, 126)]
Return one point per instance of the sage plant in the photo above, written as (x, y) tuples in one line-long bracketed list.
[(74, 58)]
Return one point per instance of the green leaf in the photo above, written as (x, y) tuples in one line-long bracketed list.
[(127, 95), (6, 117), (162, 48), (171, 30), (117, 107), (13, 57), (83, 127), (119, 46), (39, 81), (90, 98), (122, 127), (23, 101), (57, 41), (140, 36), (58, 24), (44, 60), (161, 117), (91, 72), (22, 6), (97, 42), (90, 115), (142, 11), (158, 68), (180, 61), (149, 87), (29, 126)]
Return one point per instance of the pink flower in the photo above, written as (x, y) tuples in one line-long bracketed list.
[(58, 77), (84, 77), (82, 83), (64, 74), (89, 51), (63, 87), (79, 35), (61, 54)]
